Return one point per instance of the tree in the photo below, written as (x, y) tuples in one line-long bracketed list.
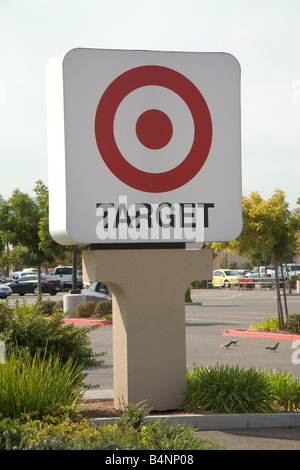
[(24, 222), (297, 215), (59, 253), (23, 215), (269, 232)]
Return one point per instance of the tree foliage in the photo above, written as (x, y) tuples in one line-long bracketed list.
[(24, 225), (269, 233)]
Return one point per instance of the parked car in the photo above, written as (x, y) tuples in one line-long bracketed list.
[(28, 285), (257, 272), (225, 278), (243, 272), (17, 274), (5, 290), (293, 269), (97, 291), (65, 275)]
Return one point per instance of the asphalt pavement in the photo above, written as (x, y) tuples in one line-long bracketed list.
[(255, 438)]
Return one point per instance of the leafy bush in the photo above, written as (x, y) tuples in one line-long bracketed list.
[(45, 307), (85, 309), (268, 324), (292, 323), (25, 327), (32, 384), (286, 389), (92, 309), (70, 432), (103, 308), (187, 295), (225, 389), (58, 429)]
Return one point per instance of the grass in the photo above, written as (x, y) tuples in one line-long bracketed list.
[(286, 389), (33, 384), (292, 324), (225, 389), (268, 324)]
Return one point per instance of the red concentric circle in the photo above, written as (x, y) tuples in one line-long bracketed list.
[(104, 120), (154, 129)]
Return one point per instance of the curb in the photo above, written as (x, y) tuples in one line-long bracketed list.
[(209, 421), (83, 321), (260, 334), (222, 421)]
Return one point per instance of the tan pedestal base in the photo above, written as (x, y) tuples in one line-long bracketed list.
[(149, 346)]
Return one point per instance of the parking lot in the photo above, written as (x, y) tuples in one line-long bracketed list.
[(212, 312), (219, 310)]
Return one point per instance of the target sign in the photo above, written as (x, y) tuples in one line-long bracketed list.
[(154, 128), (144, 146)]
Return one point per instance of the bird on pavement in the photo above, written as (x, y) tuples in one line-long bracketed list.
[(234, 341), (226, 345), (273, 348)]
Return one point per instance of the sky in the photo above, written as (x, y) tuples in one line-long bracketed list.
[(264, 36)]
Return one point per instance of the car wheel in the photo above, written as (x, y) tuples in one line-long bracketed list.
[(36, 291), (53, 293), (226, 284), (3, 296)]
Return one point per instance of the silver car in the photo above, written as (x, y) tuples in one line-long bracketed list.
[(97, 291), (5, 291)]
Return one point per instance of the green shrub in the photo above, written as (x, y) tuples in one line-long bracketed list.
[(225, 389), (103, 308), (25, 327), (92, 309), (286, 389), (292, 323), (45, 307), (73, 433), (187, 295), (268, 324), (58, 429), (86, 309), (32, 384)]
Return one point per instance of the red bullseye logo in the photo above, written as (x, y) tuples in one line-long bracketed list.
[(154, 129)]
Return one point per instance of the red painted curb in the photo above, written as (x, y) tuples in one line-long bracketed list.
[(260, 334), (82, 321)]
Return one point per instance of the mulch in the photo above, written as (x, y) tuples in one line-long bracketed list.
[(104, 408)]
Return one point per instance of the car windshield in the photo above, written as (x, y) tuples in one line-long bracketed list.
[(26, 278), (295, 267), (92, 286), (63, 270), (231, 273)]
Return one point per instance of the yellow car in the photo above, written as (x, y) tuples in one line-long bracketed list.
[(225, 278)]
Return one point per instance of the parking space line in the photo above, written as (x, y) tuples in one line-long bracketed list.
[(230, 297)]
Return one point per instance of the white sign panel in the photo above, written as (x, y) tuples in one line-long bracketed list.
[(144, 146)]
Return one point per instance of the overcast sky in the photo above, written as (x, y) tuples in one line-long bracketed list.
[(264, 36)]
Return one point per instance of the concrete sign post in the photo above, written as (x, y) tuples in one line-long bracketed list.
[(145, 164), (149, 346)]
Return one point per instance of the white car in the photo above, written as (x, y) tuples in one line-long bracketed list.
[(97, 291), (5, 291)]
